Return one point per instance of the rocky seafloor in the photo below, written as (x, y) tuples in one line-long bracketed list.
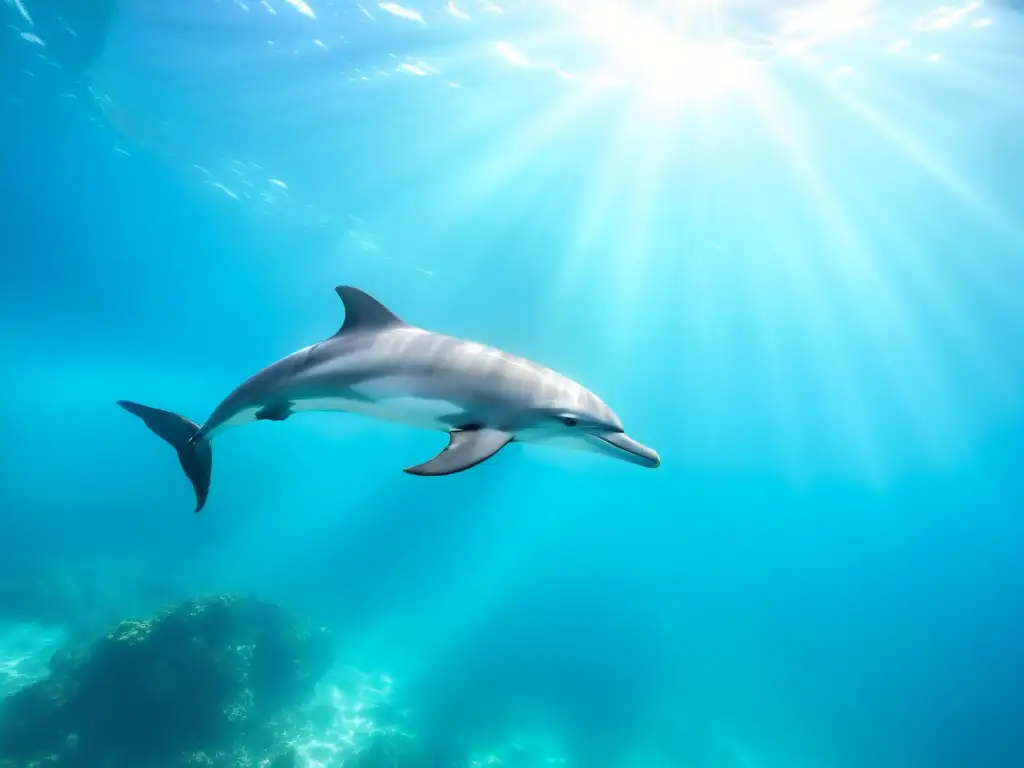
[(223, 681)]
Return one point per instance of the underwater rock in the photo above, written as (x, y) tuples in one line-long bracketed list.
[(211, 682)]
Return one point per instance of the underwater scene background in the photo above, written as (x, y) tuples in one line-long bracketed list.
[(783, 240)]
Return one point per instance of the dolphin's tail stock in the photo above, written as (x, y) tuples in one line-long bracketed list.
[(194, 452)]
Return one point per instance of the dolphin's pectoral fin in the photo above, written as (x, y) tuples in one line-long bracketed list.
[(274, 412), (465, 449)]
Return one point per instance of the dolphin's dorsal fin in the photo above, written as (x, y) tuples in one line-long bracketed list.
[(363, 312)]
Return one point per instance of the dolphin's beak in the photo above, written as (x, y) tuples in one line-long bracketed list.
[(619, 445)]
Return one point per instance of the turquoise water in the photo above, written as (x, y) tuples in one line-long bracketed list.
[(783, 243)]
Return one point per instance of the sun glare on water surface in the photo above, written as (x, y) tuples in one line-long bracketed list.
[(659, 58), (673, 52)]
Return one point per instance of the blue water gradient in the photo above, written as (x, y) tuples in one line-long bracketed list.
[(792, 263)]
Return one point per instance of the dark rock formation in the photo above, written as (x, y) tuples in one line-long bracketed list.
[(213, 682)]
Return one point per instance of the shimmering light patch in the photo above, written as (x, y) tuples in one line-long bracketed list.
[(27, 649), (655, 57), (420, 69), (32, 38), (223, 189), (268, 7), (702, 70), (361, 239), (455, 11), (795, 48), (416, 67), (278, 183), (351, 698), (828, 19), (301, 7), (22, 10), (945, 17), (524, 749), (606, 80), (982, 23), (933, 56), (898, 46), (844, 71), (490, 7), (320, 44), (402, 12), (511, 55)]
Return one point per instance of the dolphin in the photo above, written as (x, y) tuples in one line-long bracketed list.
[(380, 366)]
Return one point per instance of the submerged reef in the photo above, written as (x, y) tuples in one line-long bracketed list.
[(216, 682)]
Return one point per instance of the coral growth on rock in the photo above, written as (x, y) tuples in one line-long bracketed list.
[(212, 682)]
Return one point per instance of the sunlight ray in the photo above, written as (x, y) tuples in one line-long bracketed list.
[(611, 179), (888, 92), (940, 397), (894, 334), (763, 271), (636, 225), (473, 186), (989, 81), (773, 360), (915, 148), (1005, 62), (832, 342)]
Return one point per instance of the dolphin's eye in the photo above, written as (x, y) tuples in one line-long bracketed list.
[(570, 421)]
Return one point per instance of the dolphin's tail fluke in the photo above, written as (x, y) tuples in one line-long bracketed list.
[(194, 451)]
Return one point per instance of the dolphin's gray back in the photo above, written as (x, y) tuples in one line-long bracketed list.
[(435, 366), (482, 383)]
